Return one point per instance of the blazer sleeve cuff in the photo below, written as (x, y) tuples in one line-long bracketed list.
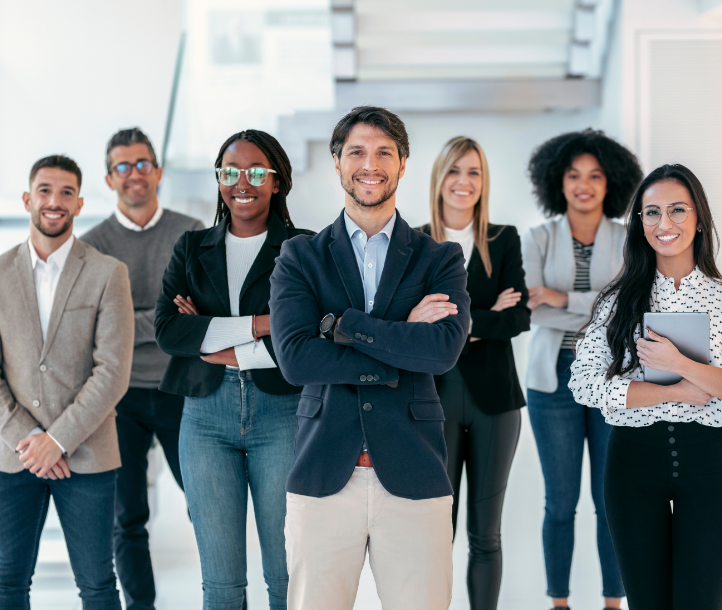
[(20, 425)]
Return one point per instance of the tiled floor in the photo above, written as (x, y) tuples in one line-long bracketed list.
[(178, 569)]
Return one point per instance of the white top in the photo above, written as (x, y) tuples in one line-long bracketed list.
[(465, 238), (237, 331), (129, 224), (47, 275), (697, 293)]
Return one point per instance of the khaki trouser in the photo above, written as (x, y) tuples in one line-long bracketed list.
[(409, 544)]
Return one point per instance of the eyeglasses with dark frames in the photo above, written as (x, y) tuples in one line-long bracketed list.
[(124, 170)]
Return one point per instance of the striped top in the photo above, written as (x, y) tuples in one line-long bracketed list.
[(582, 258)]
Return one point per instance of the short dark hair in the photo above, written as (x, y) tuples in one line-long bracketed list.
[(126, 137), (60, 161), (386, 121), (549, 162)]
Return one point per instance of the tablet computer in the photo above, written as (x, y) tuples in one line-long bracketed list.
[(689, 332)]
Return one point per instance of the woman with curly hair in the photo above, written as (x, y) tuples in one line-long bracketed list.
[(481, 395), (583, 179)]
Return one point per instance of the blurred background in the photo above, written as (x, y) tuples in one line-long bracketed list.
[(508, 73)]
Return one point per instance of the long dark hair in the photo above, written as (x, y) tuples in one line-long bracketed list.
[(278, 159), (633, 286)]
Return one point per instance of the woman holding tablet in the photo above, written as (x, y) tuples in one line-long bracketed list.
[(481, 395), (663, 482), (585, 179)]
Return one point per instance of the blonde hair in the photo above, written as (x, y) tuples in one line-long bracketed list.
[(453, 150)]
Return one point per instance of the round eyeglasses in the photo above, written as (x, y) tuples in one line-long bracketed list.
[(256, 176), (676, 212), (125, 169)]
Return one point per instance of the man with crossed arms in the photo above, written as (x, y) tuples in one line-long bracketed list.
[(391, 308)]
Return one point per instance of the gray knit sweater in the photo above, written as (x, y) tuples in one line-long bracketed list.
[(147, 254)]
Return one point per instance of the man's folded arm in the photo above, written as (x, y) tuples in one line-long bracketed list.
[(303, 356), (112, 357), (418, 346), (178, 334)]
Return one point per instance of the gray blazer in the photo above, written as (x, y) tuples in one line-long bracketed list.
[(549, 261), (70, 383)]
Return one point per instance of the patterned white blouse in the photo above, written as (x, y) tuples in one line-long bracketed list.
[(590, 386)]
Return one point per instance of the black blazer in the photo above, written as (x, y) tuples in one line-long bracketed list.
[(487, 366), (346, 399), (198, 269)]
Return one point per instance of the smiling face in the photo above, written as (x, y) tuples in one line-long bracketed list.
[(369, 166), (585, 184), (245, 201), (53, 201), (670, 239), (461, 188), (135, 190)]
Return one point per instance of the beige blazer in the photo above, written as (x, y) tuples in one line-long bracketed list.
[(548, 254), (70, 383)]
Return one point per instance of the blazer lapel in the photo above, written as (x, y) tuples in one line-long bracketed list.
[(397, 259), (564, 265), (214, 263), (67, 279), (26, 279), (345, 259), (266, 258)]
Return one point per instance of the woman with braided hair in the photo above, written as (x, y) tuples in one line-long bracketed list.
[(239, 416)]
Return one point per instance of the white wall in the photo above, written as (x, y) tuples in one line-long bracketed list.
[(74, 72)]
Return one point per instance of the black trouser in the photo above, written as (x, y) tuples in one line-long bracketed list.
[(487, 444), (142, 413), (670, 557)]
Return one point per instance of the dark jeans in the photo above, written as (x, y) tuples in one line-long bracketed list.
[(486, 443), (235, 438), (560, 426), (142, 413), (670, 556), (85, 507)]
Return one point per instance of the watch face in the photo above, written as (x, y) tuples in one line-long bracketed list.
[(326, 323)]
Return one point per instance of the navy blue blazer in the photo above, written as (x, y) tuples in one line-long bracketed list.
[(346, 398)]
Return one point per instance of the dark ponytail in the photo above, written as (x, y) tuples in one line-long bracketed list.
[(278, 159)]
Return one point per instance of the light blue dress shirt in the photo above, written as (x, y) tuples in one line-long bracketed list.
[(370, 255)]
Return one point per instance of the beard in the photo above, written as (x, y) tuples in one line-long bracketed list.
[(37, 219), (133, 198), (388, 192)]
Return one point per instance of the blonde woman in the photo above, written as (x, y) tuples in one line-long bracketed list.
[(481, 395)]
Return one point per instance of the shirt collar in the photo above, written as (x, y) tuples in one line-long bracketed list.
[(58, 257), (352, 228), (129, 224), (695, 279)]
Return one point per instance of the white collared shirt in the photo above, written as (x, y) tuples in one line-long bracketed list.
[(47, 275), (129, 224), (590, 386)]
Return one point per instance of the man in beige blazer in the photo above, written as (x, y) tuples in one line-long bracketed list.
[(66, 345)]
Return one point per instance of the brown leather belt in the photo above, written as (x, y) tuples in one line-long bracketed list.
[(364, 461)]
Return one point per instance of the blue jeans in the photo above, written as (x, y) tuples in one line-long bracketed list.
[(85, 507), (560, 426), (235, 438)]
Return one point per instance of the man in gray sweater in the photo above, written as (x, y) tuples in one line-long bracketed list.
[(142, 235)]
